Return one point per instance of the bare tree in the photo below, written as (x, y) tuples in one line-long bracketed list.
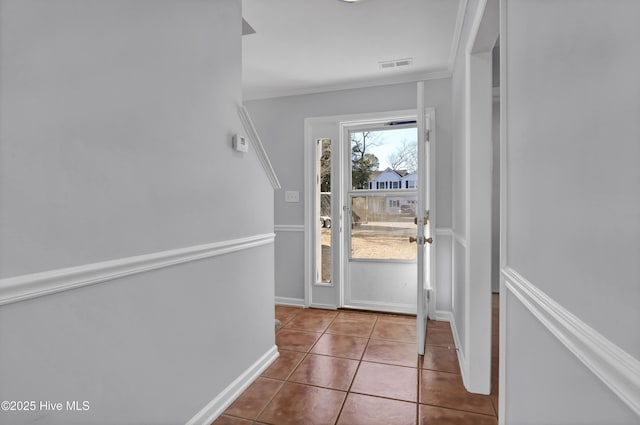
[(325, 166), (362, 162), (405, 157)]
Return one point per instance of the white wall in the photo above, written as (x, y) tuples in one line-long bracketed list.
[(572, 228), (280, 123), (459, 178), (116, 130)]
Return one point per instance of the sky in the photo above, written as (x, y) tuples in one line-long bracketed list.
[(389, 140)]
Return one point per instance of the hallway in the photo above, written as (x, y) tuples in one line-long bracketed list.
[(351, 368)]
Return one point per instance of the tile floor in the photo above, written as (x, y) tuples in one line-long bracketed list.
[(352, 368)]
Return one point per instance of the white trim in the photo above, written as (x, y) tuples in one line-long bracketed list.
[(20, 288), (444, 231), (502, 344), (495, 92), (401, 79), (289, 301), (457, 34), (616, 368), (477, 146), (217, 406), (253, 136), (461, 357), (338, 269), (323, 306), (475, 27), (385, 307), (288, 227)]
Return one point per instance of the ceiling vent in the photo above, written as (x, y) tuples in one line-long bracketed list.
[(396, 63)]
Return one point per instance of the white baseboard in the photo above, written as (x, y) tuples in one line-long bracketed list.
[(290, 301), (444, 316), (616, 368), (384, 307), (323, 306), (456, 341), (223, 400)]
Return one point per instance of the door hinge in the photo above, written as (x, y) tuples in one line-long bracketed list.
[(427, 132)]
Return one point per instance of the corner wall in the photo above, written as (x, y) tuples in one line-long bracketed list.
[(459, 186), (116, 120), (570, 212)]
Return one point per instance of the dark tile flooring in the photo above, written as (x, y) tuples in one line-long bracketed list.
[(352, 368)]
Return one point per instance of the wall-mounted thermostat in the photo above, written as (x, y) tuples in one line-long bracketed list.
[(240, 143)]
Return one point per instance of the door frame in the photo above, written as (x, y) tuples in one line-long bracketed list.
[(331, 295), (478, 188)]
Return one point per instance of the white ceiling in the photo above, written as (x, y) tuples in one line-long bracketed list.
[(307, 46)]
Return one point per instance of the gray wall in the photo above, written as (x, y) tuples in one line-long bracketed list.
[(280, 123), (116, 130), (573, 225)]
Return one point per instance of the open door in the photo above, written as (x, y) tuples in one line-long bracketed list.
[(424, 219)]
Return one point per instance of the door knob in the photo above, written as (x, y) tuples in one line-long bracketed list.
[(429, 240), (412, 239)]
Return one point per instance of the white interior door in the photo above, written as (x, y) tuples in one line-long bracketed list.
[(425, 219)]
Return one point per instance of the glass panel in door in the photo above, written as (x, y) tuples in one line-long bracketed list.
[(381, 203)]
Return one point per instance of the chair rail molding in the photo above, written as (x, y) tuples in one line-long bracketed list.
[(24, 287), (444, 231), (289, 227), (616, 368)]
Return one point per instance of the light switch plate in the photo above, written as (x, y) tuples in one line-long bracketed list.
[(292, 196)]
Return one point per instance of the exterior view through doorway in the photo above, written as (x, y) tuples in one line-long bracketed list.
[(368, 222), (380, 203)]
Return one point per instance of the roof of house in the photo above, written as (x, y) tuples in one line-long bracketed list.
[(375, 174)]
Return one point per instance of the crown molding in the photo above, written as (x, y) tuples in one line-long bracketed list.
[(401, 79)]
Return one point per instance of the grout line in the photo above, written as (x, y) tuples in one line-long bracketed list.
[(383, 397), (284, 381), (357, 369), (269, 402), (458, 410)]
